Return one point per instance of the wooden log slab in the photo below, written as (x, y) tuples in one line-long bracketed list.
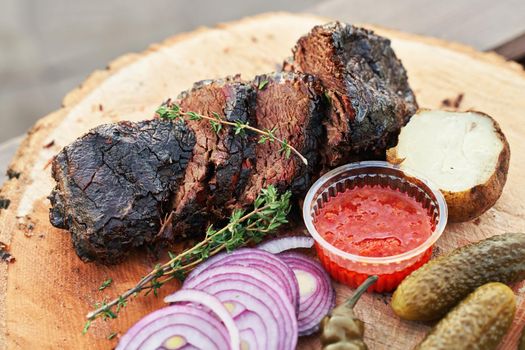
[(46, 292)]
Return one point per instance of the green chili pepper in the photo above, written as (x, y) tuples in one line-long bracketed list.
[(341, 330)]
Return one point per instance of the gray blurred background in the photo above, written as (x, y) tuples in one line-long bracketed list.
[(49, 47)]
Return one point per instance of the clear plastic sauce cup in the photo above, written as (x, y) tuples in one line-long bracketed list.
[(352, 269)]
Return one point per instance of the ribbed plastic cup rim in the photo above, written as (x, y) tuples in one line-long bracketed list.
[(440, 227)]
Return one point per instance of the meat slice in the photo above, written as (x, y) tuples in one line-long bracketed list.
[(292, 104), (343, 96), (220, 166), (114, 185), (367, 87)]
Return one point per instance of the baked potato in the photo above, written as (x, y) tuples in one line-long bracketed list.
[(465, 154)]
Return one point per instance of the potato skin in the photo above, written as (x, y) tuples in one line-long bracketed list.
[(468, 205)]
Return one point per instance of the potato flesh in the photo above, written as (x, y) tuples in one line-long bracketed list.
[(455, 150)]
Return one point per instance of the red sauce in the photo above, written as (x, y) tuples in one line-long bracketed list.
[(374, 221)]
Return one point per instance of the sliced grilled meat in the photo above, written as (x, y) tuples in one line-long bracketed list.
[(292, 104), (367, 86), (114, 185), (220, 166), (343, 96)]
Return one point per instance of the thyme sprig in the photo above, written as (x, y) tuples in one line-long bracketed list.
[(105, 284), (173, 111), (270, 210)]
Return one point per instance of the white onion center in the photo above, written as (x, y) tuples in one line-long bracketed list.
[(307, 283), (174, 342)]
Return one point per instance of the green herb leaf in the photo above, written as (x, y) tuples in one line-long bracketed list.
[(105, 284), (109, 314), (169, 112), (216, 126), (179, 274), (210, 231), (86, 327), (112, 335), (162, 112), (122, 303), (286, 149), (263, 84), (159, 272), (270, 134), (176, 263), (194, 116), (240, 127)]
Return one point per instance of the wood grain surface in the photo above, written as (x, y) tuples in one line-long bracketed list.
[(46, 292), (47, 47)]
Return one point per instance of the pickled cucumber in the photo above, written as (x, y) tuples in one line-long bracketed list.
[(478, 322), (431, 291)]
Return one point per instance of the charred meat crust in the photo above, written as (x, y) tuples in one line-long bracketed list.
[(343, 96), (226, 175), (292, 103), (115, 183), (367, 86), (221, 164)]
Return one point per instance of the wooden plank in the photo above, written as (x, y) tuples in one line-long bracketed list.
[(482, 24), (7, 150), (48, 48), (46, 293), (513, 49)]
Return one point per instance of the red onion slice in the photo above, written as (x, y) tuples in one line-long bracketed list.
[(311, 286), (176, 336), (317, 299), (214, 305), (189, 347), (248, 322), (268, 289), (256, 292), (278, 245), (282, 331), (266, 262), (179, 326), (312, 310), (270, 335)]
